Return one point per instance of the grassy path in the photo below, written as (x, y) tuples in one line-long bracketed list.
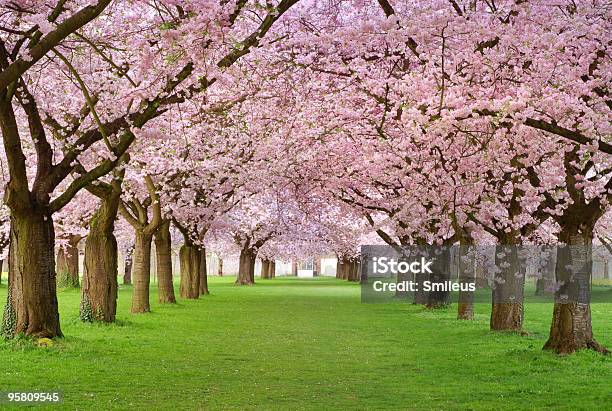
[(305, 344)]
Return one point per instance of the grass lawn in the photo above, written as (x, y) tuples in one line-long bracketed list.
[(305, 344)]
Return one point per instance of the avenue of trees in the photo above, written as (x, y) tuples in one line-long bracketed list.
[(286, 129)]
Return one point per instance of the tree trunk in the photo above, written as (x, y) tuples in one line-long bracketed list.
[(163, 253), (440, 296), (540, 286), (508, 290), (350, 269), (247, 259), (420, 296), (61, 264), (294, 268), (317, 266), (465, 309), (203, 273), (481, 279), (141, 272), (571, 328), (73, 260), (32, 300), (346, 269), (68, 264), (265, 269), (339, 268), (128, 262), (190, 271), (546, 279), (253, 259), (220, 272), (272, 272), (99, 293), (353, 270)]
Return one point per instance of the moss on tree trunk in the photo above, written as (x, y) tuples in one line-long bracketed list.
[(68, 263), (99, 293), (32, 303)]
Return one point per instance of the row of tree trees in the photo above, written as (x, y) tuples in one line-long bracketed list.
[(293, 127)]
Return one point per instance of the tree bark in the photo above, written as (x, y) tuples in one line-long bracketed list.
[(189, 256), (420, 296), (99, 293), (203, 273), (265, 269), (252, 261), (465, 309), (220, 272), (294, 268), (137, 215), (339, 268), (481, 279), (68, 263), (141, 272), (272, 272), (546, 279), (31, 306), (247, 264), (508, 290), (571, 328), (61, 263), (163, 253), (128, 263), (353, 270), (440, 297)]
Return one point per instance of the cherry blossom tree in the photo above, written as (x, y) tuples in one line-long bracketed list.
[(124, 89)]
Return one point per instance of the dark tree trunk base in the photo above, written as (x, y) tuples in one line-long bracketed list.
[(32, 307), (141, 274), (507, 317), (99, 292), (203, 273), (465, 311), (165, 286), (571, 330), (246, 269), (190, 272)]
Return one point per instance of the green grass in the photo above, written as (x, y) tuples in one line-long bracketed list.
[(306, 344)]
